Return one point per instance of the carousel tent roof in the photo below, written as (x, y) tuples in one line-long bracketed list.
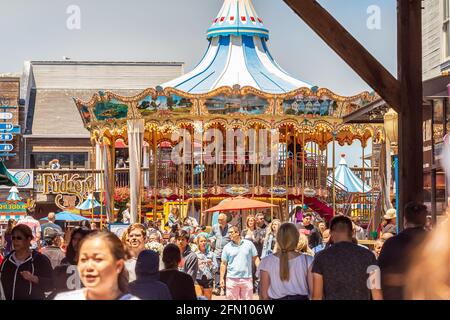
[(346, 177), (89, 203), (237, 55)]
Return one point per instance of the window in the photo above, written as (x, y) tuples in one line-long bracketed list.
[(438, 119), (40, 160)]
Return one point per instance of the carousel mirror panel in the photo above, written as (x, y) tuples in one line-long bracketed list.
[(309, 106), (172, 104), (249, 104), (110, 109)]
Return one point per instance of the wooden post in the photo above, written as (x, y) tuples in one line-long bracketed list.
[(404, 94), (334, 175), (286, 157), (155, 177), (201, 179), (303, 166), (410, 117), (349, 49)]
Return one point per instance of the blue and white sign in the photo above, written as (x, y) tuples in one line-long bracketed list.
[(6, 126), (6, 136), (25, 178), (7, 154), (6, 115), (6, 147)]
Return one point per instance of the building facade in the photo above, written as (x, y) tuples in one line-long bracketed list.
[(436, 67), (54, 129), (51, 125), (10, 103)]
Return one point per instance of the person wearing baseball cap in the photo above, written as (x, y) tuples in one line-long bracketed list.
[(52, 250)]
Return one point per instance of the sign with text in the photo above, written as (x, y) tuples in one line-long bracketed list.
[(11, 207), (6, 136), (66, 184), (6, 115), (6, 147), (5, 126)]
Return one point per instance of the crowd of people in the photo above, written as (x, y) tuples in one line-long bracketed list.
[(184, 261)]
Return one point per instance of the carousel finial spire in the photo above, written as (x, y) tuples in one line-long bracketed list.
[(237, 56), (237, 17)]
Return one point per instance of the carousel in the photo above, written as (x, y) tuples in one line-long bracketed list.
[(237, 90)]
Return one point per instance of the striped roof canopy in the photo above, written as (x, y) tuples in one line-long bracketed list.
[(346, 177), (237, 55)]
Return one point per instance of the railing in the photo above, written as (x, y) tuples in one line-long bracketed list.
[(364, 206), (187, 176), (343, 197)]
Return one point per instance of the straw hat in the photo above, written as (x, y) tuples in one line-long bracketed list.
[(390, 214)]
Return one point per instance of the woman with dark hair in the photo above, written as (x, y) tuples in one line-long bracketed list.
[(180, 284), (65, 275), (101, 265), (207, 266), (6, 237), (72, 249), (25, 274)]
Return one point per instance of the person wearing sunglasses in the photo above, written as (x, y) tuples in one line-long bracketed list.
[(25, 274)]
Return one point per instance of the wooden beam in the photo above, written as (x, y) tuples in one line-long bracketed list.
[(349, 49), (409, 37), (354, 116)]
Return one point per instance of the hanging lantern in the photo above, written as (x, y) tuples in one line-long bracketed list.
[(391, 126)]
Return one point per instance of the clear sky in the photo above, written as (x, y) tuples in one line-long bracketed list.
[(174, 30)]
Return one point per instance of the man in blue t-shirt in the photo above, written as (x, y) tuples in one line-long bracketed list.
[(237, 261), (50, 225)]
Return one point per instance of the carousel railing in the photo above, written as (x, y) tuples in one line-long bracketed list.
[(187, 176), (242, 173), (365, 206), (343, 197)]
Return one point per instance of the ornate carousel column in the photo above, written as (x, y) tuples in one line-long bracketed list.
[(107, 151), (98, 164), (146, 164), (135, 141)]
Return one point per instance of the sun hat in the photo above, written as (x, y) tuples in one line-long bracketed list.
[(390, 214)]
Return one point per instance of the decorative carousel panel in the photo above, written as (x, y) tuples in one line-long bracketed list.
[(237, 190), (85, 114), (112, 109), (172, 104), (309, 106), (235, 104)]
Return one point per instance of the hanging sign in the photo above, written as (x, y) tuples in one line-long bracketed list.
[(6, 126), (6, 115), (6, 136), (6, 147)]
